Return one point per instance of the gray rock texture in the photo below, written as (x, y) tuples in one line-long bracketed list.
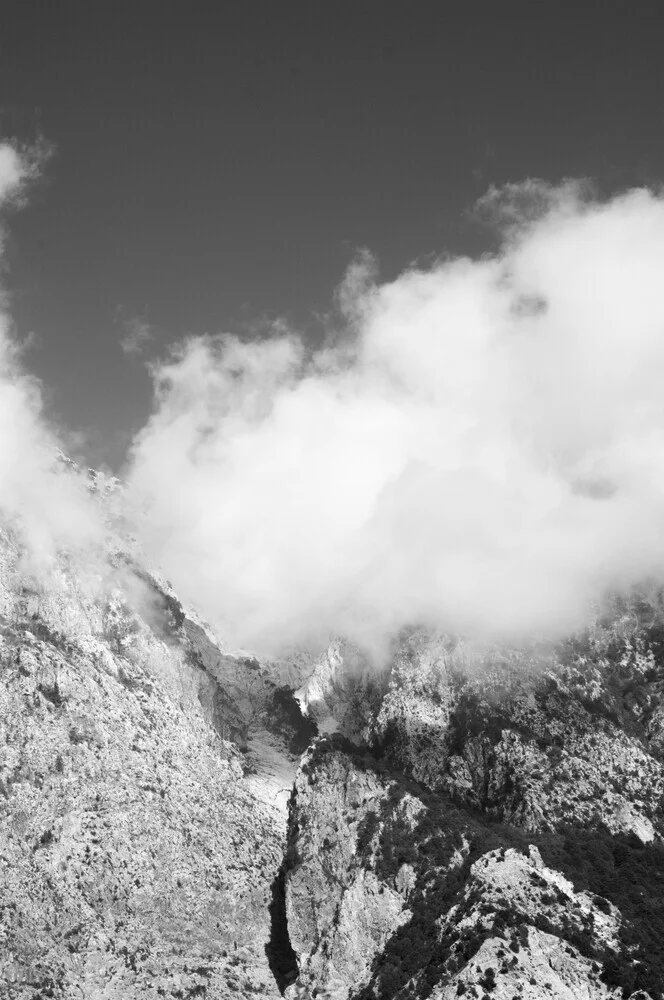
[(144, 774), (416, 824)]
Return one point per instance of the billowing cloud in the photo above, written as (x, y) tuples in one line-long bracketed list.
[(40, 498), (479, 447), (482, 449)]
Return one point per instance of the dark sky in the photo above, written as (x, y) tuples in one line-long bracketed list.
[(219, 162)]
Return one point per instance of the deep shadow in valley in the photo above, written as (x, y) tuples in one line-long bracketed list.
[(280, 954)]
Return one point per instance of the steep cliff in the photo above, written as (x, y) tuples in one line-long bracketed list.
[(417, 840)]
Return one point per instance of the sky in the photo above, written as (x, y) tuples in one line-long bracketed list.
[(363, 303), (217, 166)]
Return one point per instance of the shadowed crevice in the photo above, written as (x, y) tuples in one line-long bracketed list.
[(280, 955)]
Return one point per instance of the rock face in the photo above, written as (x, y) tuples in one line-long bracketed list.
[(475, 820), (491, 825), (144, 774), (340, 910)]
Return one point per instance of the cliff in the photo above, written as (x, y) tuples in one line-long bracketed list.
[(491, 825)]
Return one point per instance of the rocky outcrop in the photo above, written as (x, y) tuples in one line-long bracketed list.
[(501, 754), (342, 690), (544, 966), (340, 908), (539, 736), (515, 953), (392, 891)]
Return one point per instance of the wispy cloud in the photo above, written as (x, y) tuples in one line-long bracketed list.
[(46, 505), (138, 334)]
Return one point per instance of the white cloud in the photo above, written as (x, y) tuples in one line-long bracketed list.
[(13, 172), (481, 447), (484, 450), (42, 501)]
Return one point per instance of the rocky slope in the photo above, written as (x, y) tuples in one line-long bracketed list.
[(144, 773)]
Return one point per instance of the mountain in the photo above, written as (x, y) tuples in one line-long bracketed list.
[(179, 819), (490, 822)]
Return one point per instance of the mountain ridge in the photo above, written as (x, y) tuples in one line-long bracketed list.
[(181, 819)]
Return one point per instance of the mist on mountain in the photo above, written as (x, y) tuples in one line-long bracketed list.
[(477, 447)]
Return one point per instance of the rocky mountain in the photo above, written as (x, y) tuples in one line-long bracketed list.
[(144, 776), (180, 819), (487, 821)]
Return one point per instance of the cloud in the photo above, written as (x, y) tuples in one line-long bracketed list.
[(12, 172), (478, 446), (41, 500), (138, 334), (481, 449)]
